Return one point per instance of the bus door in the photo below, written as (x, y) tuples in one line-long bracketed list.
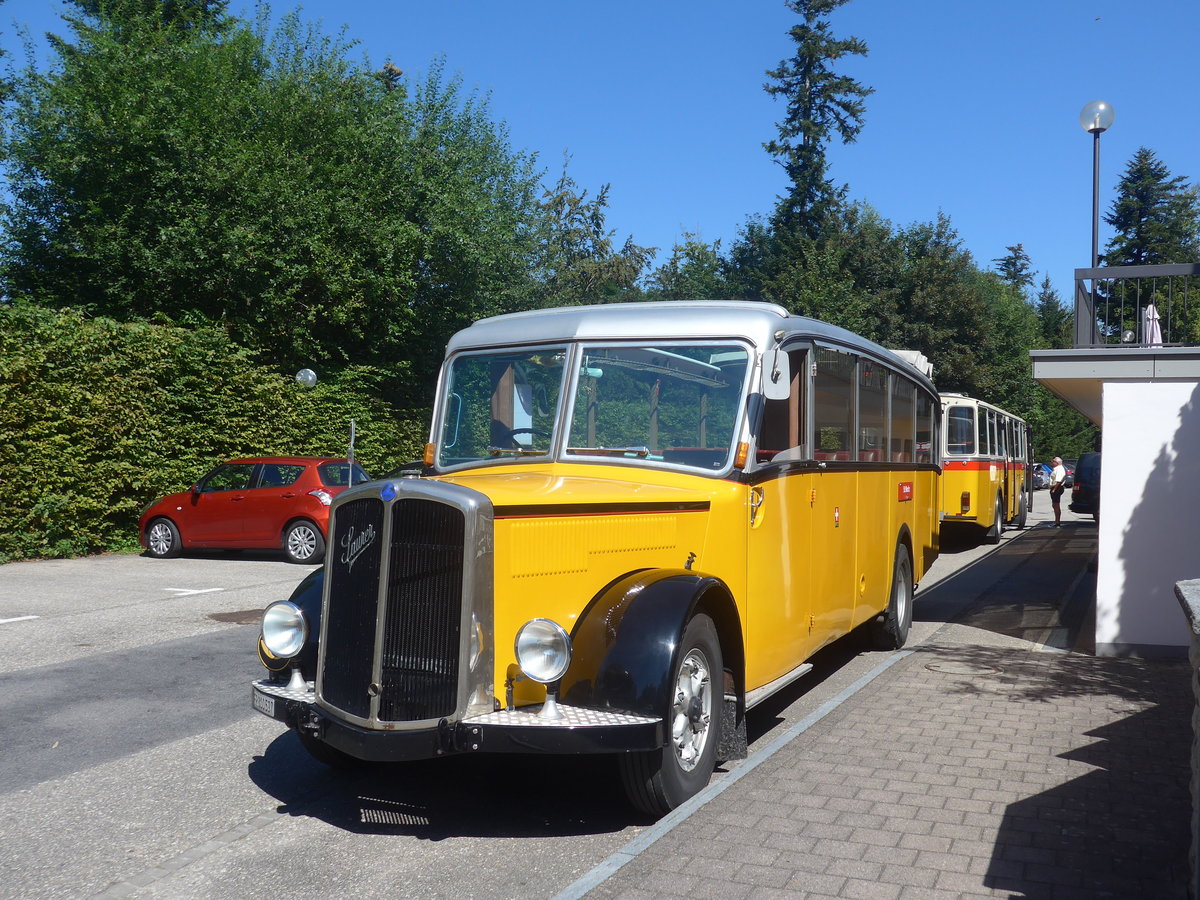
[(779, 620)]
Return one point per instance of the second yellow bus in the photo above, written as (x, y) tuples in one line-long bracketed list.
[(985, 466)]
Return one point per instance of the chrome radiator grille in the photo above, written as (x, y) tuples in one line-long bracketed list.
[(408, 571), (351, 615), (422, 624)]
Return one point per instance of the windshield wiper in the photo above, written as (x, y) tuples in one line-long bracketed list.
[(640, 451), (516, 451)]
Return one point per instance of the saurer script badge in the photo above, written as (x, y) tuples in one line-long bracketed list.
[(355, 543)]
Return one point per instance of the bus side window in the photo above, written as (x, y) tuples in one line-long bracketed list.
[(833, 405), (902, 420), (872, 411), (926, 428), (782, 435)]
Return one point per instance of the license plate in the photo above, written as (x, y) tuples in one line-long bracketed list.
[(263, 703)]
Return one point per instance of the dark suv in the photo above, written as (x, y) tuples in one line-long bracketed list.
[(1085, 494)]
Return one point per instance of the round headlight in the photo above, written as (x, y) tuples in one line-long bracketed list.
[(284, 629), (543, 650)]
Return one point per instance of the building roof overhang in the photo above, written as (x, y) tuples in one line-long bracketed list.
[(1078, 376)]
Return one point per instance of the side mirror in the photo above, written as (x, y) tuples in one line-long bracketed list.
[(776, 375)]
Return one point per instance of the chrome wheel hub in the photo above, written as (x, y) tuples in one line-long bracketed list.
[(691, 711), (302, 543), (159, 538)]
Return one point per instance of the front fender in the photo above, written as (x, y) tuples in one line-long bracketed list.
[(625, 642), (307, 596)]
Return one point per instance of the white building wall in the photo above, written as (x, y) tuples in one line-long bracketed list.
[(1150, 515)]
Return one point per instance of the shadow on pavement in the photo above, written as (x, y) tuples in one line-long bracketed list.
[(1121, 829), (1039, 586), (460, 796)]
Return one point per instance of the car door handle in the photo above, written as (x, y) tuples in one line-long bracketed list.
[(288, 496), (236, 499)]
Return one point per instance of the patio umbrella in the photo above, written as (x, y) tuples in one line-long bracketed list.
[(1151, 330)]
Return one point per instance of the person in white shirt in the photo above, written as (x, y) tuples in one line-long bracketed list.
[(1058, 481)]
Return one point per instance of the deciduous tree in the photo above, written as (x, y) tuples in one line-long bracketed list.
[(177, 163)]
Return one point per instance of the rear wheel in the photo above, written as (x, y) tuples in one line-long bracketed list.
[(162, 539), (303, 543), (993, 533), (890, 630), (1022, 510), (657, 781)]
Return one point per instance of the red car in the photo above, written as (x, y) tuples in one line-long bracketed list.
[(270, 502)]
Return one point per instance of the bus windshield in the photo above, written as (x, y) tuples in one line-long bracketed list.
[(670, 403), (501, 405), (676, 404)]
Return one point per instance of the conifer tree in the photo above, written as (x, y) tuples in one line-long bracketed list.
[(1156, 216), (1016, 269), (821, 105)]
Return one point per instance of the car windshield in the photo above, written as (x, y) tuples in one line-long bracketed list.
[(673, 403), (667, 403)]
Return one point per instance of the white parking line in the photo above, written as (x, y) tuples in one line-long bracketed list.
[(187, 592), (18, 619)]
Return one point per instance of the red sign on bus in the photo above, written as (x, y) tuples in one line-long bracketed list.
[(906, 491)]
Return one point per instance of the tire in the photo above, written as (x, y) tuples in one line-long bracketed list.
[(657, 781), (303, 543), (329, 756), (162, 539), (1022, 511), (890, 630), (993, 534)]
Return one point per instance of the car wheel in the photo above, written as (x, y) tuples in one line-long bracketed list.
[(303, 543), (162, 539), (890, 631), (658, 781), (993, 533), (329, 756)]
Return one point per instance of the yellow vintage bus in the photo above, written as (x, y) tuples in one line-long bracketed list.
[(986, 466), (633, 523)]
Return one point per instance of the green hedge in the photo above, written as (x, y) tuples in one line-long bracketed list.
[(98, 418)]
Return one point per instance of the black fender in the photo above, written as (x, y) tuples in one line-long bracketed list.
[(307, 595), (625, 641)]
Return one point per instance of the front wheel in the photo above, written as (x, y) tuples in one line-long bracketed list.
[(657, 781), (890, 630), (303, 543), (162, 539)]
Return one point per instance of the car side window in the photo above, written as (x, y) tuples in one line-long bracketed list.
[(278, 475), (233, 477)]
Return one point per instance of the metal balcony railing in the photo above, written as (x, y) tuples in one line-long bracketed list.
[(1138, 306)]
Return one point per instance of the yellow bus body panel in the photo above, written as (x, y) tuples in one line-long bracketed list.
[(816, 562), (551, 564)]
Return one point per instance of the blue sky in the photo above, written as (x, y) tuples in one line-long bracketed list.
[(975, 110)]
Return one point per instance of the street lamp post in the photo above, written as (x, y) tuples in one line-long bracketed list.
[(307, 378), (1096, 118)]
